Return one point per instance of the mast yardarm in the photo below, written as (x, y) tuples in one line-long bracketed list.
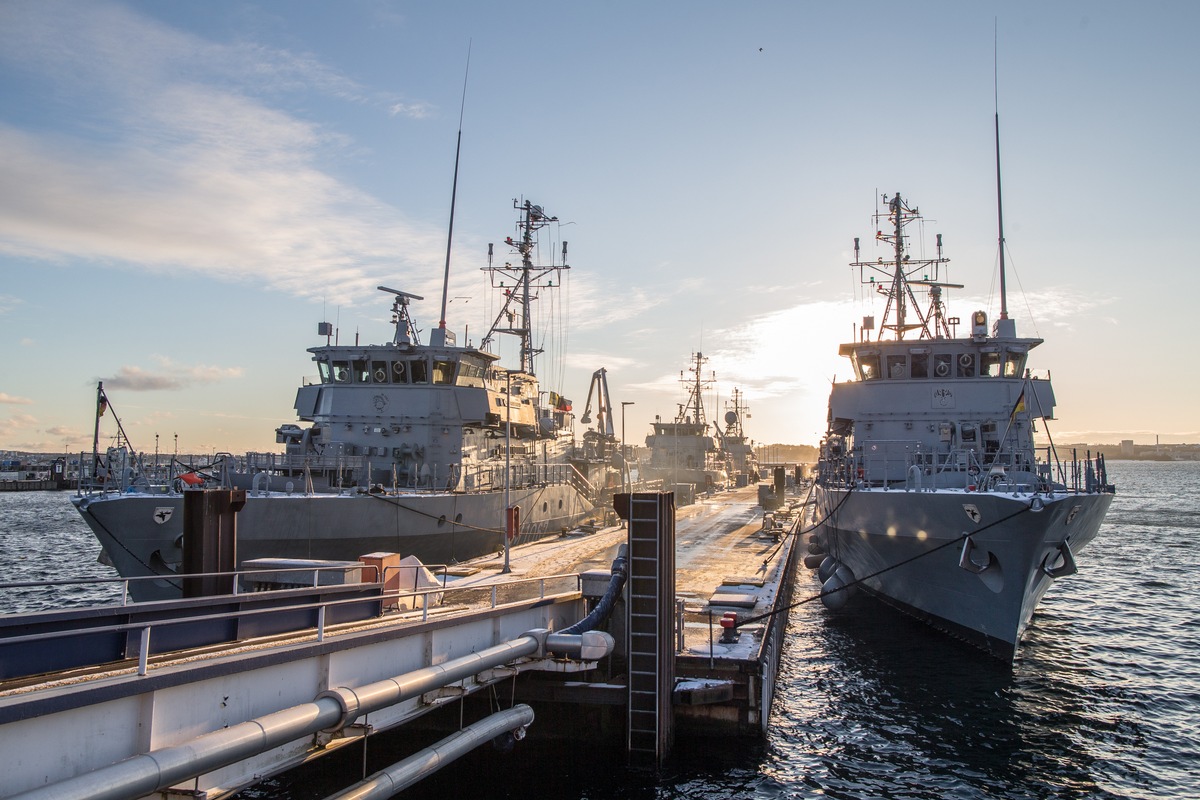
[(902, 272)]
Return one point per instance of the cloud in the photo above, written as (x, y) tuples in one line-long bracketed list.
[(173, 156), (5, 397), (22, 424), (168, 377), (8, 303)]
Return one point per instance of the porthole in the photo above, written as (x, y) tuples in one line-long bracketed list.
[(441, 520), (560, 504), (545, 507), (458, 517)]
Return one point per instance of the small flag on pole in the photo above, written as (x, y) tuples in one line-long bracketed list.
[(1019, 407)]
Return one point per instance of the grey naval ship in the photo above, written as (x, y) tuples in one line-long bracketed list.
[(932, 491), (683, 453), (410, 447)]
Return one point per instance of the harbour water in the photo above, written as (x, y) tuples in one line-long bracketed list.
[(1103, 701)]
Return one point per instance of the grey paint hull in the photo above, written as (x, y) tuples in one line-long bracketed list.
[(906, 548), (437, 528)]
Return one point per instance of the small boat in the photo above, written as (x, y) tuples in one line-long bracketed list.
[(932, 491)]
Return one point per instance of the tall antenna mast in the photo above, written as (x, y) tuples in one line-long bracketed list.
[(999, 198), (438, 337)]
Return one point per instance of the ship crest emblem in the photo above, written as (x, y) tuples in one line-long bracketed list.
[(162, 514), (380, 401), (972, 512), (1073, 512)]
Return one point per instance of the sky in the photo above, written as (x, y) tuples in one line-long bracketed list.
[(187, 189)]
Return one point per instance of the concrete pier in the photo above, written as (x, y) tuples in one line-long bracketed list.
[(675, 668)]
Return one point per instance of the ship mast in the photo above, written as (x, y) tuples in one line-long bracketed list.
[(900, 271), (520, 283), (439, 337), (694, 408)]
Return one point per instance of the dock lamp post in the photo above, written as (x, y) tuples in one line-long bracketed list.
[(624, 455), (509, 517)]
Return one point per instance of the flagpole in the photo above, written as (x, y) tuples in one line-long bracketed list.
[(96, 431)]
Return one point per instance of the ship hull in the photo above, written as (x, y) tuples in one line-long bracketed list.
[(438, 528), (908, 549)]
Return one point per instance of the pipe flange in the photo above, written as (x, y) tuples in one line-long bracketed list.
[(348, 700)]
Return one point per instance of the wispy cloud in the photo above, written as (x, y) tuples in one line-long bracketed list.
[(5, 397), (168, 376), (177, 157)]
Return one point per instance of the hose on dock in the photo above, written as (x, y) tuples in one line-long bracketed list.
[(620, 572), (399, 776)]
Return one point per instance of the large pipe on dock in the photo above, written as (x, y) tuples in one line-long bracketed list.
[(160, 769), (399, 776)]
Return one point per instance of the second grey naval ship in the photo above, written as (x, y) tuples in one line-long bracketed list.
[(409, 447)]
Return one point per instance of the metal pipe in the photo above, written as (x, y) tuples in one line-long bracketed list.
[(399, 776), (159, 769)]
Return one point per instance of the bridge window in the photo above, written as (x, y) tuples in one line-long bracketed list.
[(323, 369), (443, 371), (966, 365), (341, 372), (920, 365), (399, 372), (379, 372), (896, 367), (943, 365), (989, 364), (361, 373), (868, 367), (418, 370)]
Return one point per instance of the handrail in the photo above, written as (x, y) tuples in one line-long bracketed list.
[(321, 607)]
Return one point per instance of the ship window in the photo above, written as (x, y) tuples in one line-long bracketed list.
[(341, 372), (399, 372), (470, 373), (443, 371), (868, 367), (897, 369), (379, 371), (942, 365), (361, 373), (1013, 364), (419, 371), (920, 365), (966, 365), (323, 369), (989, 364)]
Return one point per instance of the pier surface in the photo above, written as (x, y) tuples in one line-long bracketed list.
[(725, 562)]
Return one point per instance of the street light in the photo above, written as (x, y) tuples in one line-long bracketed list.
[(507, 465), (624, 455)]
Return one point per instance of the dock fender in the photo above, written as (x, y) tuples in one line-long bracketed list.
[(826, 568), (345, 697), (833, 593)]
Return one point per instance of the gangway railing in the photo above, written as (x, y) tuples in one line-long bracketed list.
[(500, 594)]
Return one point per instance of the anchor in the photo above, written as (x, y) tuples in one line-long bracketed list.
[(969, 564), (1068, 562)]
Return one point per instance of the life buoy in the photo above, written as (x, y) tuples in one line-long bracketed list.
[(965, 359), (942, 369), (380, 375)]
